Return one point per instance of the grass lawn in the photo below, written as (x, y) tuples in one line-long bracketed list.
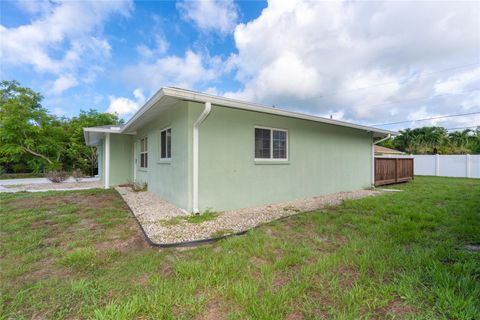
[(399, 255)]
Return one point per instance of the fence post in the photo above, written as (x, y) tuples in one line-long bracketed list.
[(467, 165), (396, 170), (437, 165)]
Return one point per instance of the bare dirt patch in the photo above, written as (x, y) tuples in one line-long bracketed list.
[(327, 244), (278, 253), (136, 242), (280, 280), (102, 200), (255, 264), (258, 261), (319, 298), (395, 307), (166, 270), (88, 224), (143, 280), (296, 315), (213, 312), (348, 275), (42, 270)]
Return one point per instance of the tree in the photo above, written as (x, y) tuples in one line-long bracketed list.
[(31, 139), (405, 141), (431, 140), (27, 132), (79, 155), (473, 144)]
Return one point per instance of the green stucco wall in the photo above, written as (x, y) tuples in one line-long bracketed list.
[(120, 159), (167, 179), (323, 159)]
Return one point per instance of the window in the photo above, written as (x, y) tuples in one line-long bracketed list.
[(270, 144), (166, 144), (144, 153)]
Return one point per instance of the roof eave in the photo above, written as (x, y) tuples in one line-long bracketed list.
[(233, 103), (201, 97), (147, 106)]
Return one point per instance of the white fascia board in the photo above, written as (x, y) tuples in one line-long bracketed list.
[(232, 103), (147, 106), (98, 132), (188, 95), (103, 130)]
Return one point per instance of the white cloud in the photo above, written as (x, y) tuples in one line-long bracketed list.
[(212, 91), (285, 76), (458, 82), (62, 83), (64, 37), (354, 58), (160, 47), (188, 71), (125, 106), (59, 112), (34, 7), (210, 15)]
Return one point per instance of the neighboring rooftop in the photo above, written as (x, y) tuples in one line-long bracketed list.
[(384, 150)]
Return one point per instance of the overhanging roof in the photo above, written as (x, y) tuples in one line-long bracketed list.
[(169, 95), (93, 135)]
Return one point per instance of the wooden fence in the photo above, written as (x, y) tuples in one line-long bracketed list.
[(393, 170)]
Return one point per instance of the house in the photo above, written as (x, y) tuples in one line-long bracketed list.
[(384, 151), (200, 151)]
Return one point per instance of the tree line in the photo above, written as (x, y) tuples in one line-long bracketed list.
[(34, 140), (433, 140)]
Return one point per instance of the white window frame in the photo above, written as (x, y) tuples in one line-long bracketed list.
[(143, 152), (271, 144), (160, 144)]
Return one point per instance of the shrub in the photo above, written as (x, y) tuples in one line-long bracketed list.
[(57, 176), (78, 175), (140, 186)]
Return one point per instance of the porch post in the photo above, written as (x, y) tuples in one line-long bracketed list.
[(107, 161)]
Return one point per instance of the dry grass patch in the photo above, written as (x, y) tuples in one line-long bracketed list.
[(214, 311), (394, 309)]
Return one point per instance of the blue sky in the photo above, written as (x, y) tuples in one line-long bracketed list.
[(366, 62)]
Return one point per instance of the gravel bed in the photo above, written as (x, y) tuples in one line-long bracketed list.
[(165, 223), (55, 186), (148, 207)]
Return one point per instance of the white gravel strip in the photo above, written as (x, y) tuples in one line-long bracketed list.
[(148, 207), (165, 223), (62, 186)]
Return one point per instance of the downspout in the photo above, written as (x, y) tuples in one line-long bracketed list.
[(107, 160), (196, 125), (373, 156)]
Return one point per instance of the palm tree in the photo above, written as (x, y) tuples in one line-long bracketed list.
[(460, 138)]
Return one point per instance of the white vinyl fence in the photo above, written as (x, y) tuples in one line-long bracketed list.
[(447, 165)]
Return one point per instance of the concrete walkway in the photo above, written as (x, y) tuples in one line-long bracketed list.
[(7, 182)]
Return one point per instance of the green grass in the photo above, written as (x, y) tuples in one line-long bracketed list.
[(396, 256), (205, 216), (199, 218), (221, 233)]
